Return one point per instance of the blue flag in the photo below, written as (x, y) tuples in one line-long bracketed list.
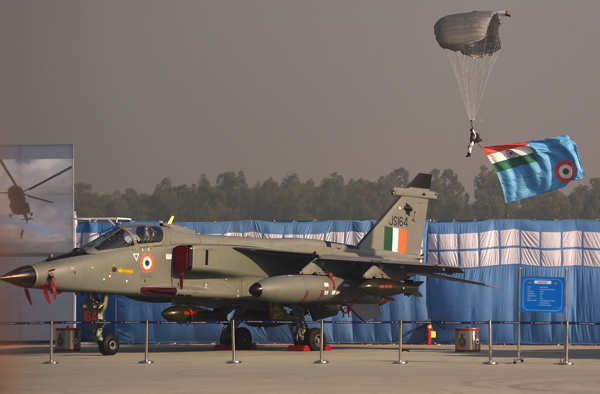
[(526, 169)]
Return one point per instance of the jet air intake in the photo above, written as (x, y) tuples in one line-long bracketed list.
[(293, 289)]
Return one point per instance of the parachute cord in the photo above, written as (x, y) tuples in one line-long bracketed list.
[(472, 75)]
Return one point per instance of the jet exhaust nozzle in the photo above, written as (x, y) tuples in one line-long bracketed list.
[(23, 276)]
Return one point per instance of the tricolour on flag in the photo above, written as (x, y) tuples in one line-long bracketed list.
[(395, 239), (526, 169)]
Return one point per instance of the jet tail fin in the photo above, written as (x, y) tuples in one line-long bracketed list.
[(421, 181), (400, 229)]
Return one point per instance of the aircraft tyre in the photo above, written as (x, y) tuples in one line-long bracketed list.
[(225, 338), (243, 338), (313, 339), (110, 345)]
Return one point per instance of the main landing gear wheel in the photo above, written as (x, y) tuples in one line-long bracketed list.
[(313, 339), (225, 338), (300, 334), (243, 338), (109, 345)]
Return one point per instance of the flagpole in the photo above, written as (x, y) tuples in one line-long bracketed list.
[(506, 214)]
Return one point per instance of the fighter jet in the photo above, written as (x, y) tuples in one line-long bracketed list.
[(207, 277)]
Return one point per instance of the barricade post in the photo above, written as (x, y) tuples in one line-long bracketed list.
[(490, 361), (233, 355), (51, 361), (518, 357), (565, 360), (145, 360), (400, 361), (320, 360)]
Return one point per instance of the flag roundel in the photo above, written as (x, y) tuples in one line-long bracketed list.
[(147, 262), (564, 171)]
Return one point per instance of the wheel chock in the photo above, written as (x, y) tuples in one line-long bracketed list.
[(304, 348)]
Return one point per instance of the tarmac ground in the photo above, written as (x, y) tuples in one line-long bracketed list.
[(272, 369)]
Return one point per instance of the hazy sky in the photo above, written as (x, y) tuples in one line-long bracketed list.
[(148, 89)]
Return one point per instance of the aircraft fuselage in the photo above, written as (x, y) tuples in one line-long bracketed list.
[(218, 271), (17, 203)]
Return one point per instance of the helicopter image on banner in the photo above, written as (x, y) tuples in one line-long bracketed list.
[(17, 195)]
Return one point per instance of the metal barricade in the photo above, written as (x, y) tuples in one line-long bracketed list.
[(321, 360), (233, 360), (490, 361), (146, 361), (564, 361), (400, 332), (51, 361)]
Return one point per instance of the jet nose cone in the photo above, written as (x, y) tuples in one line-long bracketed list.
[(23, 276), (256, 289)]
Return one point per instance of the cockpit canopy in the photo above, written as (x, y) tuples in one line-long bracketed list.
[(125, 236)]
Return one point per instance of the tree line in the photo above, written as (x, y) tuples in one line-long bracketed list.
[(231, 198)]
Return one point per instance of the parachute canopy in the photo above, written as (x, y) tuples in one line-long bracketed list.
[(473, 33), (473, 42)]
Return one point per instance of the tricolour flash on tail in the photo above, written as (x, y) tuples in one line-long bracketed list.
[(400, 229)]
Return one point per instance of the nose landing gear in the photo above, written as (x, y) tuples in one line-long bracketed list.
[(93, 312)]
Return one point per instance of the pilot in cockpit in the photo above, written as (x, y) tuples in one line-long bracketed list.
[(144, 233)]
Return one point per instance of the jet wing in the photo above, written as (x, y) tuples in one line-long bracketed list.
[(275, 252), (433, 275), (294, 261), (430, 270), (417, 268), (409, 268)]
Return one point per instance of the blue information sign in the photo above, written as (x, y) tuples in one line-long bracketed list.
[(542, 294)]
